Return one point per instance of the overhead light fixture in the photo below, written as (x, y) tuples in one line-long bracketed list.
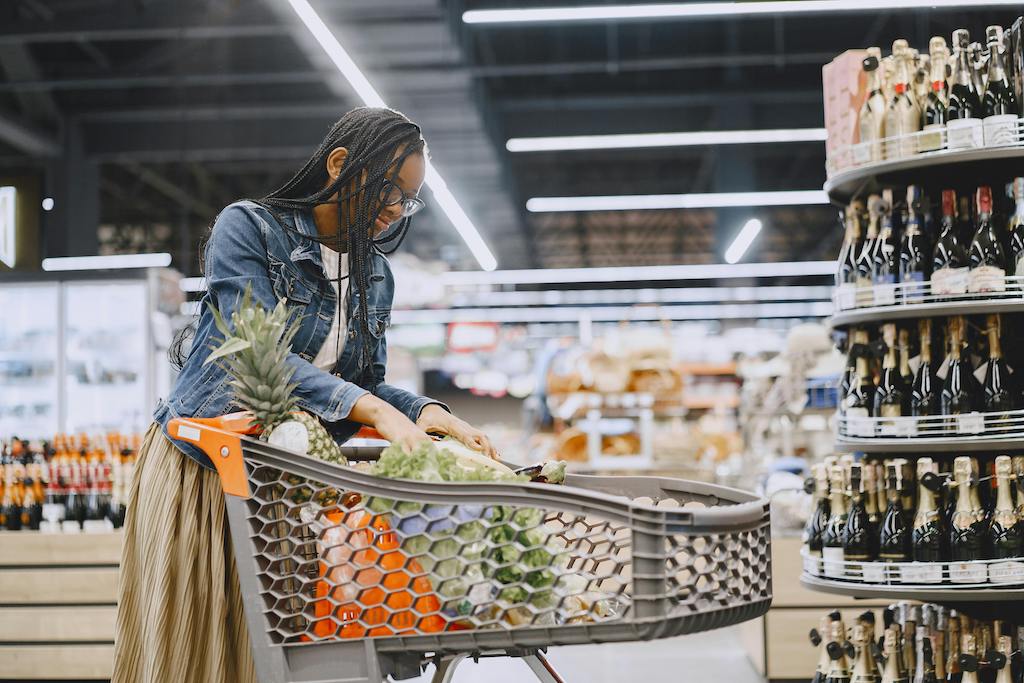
[(192, 284), (643, 140), (114, 261), (709, 10), (748, 233), (371, 98), (707, 200), (647, 295), (710, 271)]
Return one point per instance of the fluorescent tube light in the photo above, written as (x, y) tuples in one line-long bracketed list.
[(706, 10), (192, 284), (639, 274), (687, 139), (369, 95), (676, 201), (647, 295), (748, 233), (107, 262)]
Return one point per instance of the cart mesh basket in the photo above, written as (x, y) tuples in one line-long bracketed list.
[(351, 577)]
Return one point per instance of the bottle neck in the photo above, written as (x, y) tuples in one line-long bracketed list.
[(996, 71), (963, 496), (964, 68), (926, 348), (904, 361), (1004, 498), (926, 502), (995, 352), (890, 359), (837, 502)]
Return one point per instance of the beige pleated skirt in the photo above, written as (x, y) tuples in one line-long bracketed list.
[(180, 617)]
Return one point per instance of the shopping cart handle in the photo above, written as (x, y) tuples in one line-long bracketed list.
[(219, 438)]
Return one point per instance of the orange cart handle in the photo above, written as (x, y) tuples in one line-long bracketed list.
[(220, 439)]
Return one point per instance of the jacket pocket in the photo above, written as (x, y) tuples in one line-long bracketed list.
[(379, 323), (288, 284)]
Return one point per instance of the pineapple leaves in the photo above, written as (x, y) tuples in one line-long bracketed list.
[(233, 345)]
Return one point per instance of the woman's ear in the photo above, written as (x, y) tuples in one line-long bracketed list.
[(335, 160)]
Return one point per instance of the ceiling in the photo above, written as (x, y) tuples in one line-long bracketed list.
[(181, 106)]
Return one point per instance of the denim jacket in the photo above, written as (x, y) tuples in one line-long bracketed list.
[(249, 247)]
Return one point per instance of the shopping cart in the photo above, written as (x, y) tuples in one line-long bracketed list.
[(349, 577)]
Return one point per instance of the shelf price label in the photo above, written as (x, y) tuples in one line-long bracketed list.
[(968, 572), (1010, 571), (873, 572), (925, 572), (970, 423), (859, 425), (846, 296), (885, 294)]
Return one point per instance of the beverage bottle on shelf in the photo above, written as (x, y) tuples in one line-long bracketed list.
[(1007, 532), (871, 501), (938, 94), (868, 252), (832, 539), (959, 390), (969, 658), (998, 396), (1005, 648), (953, 672), (987, 256), (968, 535), (926, 672), (906, 374), (892, 399), (964, 109), (1015, 228), (1018, 479), (903, 116), (850, 371), (920, 75), (820, 639), (915, 250), (924, 393), (886, 267), (814, 530), (949, 259), (10, 511), (999, 106), (859, 544), (74, 508), (930, 536), (846, 273), (859, 400), (891, 649), (839, 665), (909, 618), (939, 642), (31, 509), (896, 535), (871, 120), (864, 668)]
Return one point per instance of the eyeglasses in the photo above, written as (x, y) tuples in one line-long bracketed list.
[(391, 194)]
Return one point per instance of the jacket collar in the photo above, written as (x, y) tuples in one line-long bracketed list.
[(307, 250)]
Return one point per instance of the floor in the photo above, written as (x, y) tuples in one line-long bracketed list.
[(712, 657)]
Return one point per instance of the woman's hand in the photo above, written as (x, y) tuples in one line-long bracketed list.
[(436, 420), (392, 425)]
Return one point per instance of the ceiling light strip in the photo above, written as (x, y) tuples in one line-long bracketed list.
[(369, 95), (113, 261), (567, 143), (748, 233), (706, 200), (649, 295), (709, 10)]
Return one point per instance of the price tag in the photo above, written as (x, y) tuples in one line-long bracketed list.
[(971, 423), (925, 572), (950, 281), (857, 425), (1010, 571), (906, 426), (70, 526), (1000, 130), (812, 566), (885, 295), (986, 279), (965, 133), (968, 572), (832, 558), (873, 572), (97, 526), (846, 296)]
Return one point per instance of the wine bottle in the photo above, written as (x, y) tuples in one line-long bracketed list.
[(909, 619), (820, 639), (924, 395), (858, 544), (864, 668), (850, 371), (906, 374), (939, 643), (999, 106), (920, 76), (896, 535), (987, 256), (967, 538), (868, 251), (949, 260), (1007, 532), (814, 530), (859, 400), (924, 671), (969, 658), (832, 539), (953, 671), (998, 396), (839, 665), (1015, 228), (871, 502), (892, 399), (964, 110), (915, 251), (1018, 478), (959, 390), (886, 267), (930, 537), (893, 671), (871, 119), (846, 272), (1005, 648), (935, 102), (903, 115)]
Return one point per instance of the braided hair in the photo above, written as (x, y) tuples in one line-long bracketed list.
[(377, 139)]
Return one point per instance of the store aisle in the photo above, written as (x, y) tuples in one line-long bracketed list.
[(702, 658)]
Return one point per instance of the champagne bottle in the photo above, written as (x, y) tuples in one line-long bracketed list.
[(959, 390), (949, 260), (1007, 533), (820, 639), (909, 618), (839, 665), (906, 374), (871, 120), (892, 399), (886, 266), (903, 116), (846, 272), (814, 530), (868, 252), (1018, 477), (930, 537), (969, 658), (1015, 228), (832, 539), (864, 668), (999, 105), (998, 396), (858, 544), (870, 482), (935, 102), (967, 538), (964, 109), (896, 535), (987, 256), (893, 672), (1005, 648), (953, 672), (859, 400), (915, 251), (925, 669), (924, 395)]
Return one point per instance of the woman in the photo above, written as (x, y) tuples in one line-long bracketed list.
[(318, 243)]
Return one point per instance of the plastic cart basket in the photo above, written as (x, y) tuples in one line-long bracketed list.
[(352, 578)]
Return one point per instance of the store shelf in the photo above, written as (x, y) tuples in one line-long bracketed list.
[(939, 594), (921, 303), (951, 446), (970, 432), (976, 574), (711, 402)]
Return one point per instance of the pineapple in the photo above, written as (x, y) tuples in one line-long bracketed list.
[(255, 346)]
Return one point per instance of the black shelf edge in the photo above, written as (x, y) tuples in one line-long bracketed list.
[(924, 593)]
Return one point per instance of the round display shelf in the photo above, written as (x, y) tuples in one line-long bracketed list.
[(940, 594), (969, 432), (920, 158), (932, 446), (1009, 302)]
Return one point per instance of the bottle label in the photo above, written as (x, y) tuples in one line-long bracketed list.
[(846, 296), (950, 281), (968, 572), (924, 572), (885, 294), (873, 572), (1000, 130), (986, 279), (1011, 571), (933, 137), (97, 526), (858, 423), (832, 559), (970, 423), (965, 133)]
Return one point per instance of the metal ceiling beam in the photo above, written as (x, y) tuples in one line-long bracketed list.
[(27, 138), (141, 31), (169, 189), (657, 100)]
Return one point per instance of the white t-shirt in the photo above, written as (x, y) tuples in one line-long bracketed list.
[(330, 352)]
